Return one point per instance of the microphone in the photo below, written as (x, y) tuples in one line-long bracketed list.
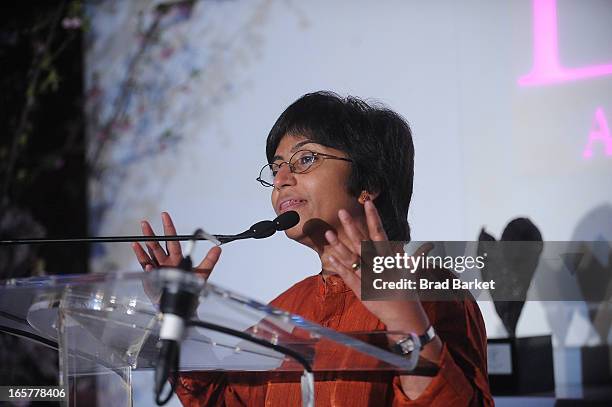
[(286, 220), (259, 230), (265, 228), (177, 304)]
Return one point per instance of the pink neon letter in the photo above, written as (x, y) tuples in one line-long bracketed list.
[(599, 134), (546, 66)]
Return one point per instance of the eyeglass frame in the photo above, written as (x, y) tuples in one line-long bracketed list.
[(266, 184)]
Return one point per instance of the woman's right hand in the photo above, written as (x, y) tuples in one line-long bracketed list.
[(156, 256)]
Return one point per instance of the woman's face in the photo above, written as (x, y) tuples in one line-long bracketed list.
[(316, 195)]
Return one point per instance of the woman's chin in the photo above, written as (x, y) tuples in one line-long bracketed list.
[(310, 233), (295, 233)]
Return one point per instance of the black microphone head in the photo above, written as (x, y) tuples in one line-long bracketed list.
[(265, 228), (286, 220)]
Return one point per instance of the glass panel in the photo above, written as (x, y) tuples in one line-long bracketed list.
[(108, 325)]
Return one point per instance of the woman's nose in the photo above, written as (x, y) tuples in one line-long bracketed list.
[(284, 176)]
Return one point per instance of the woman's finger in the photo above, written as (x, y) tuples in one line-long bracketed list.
[(350, 278), (421, 251), (154, 261), (142, 257), (340, 251), (157, 253), (352, 231), (173, 247), (206, 266), (375, 225), (344, 256)]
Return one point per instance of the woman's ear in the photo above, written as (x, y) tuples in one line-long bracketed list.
[(367, 196)]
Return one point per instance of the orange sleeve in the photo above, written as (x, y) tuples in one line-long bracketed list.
[(462, 378), (448, 388)]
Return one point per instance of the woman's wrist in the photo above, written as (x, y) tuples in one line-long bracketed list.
[(415, 321), (431, 350)]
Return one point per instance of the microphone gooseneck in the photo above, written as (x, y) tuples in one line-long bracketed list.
[(263, 229)]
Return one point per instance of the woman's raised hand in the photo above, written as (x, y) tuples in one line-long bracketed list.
[(396, 315), (156, 256)]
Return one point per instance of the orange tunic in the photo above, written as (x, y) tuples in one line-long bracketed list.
[(461, 380)]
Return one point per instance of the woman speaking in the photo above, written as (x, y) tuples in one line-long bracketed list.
[(347, 168)]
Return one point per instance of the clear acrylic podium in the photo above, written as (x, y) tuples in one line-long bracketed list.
[(106, 326)]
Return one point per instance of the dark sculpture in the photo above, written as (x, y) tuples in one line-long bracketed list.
[(512, 265)]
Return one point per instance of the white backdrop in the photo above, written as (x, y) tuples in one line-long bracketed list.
[(187, 135)]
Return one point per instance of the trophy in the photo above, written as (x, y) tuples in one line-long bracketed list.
[(516, 365)]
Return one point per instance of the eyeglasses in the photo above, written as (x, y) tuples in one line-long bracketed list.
[(300, 162)]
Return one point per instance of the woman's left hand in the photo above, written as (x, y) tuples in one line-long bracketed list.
[(402, 315), (397, 315)]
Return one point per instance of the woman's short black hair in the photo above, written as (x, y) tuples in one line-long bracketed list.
[(378, 140)]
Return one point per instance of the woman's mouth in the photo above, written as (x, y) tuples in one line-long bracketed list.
[(290, 204)]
